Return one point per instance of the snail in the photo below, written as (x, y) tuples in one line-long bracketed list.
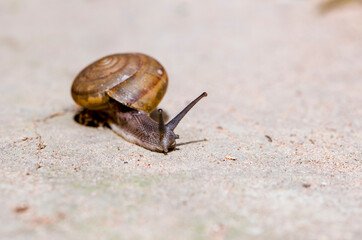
[(126, 88)]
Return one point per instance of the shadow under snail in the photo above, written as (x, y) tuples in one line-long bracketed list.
[(126, 88)]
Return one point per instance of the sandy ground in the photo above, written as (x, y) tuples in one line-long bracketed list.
[(271, 68)]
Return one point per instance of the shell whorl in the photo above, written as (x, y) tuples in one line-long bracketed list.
[(133, 79)]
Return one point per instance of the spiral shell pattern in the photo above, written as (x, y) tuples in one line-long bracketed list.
[(133, 79)]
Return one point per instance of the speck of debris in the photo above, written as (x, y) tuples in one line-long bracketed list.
[(205, 139), (269, 138), (125, 162), (219, 128), (306, 185), (21, 208), (229, 157), (311, 140), (23, 139), (38, 166), (41, 146)]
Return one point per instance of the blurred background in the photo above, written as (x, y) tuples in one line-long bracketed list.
[(288, 69), (236, 50)]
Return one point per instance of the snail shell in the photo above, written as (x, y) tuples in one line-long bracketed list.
[(136, 80)]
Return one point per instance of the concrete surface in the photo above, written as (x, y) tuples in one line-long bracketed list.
[(276, 68)]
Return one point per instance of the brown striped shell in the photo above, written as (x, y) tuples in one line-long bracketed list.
[(133, 79)]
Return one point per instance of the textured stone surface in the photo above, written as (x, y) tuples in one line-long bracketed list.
[(275, 68)]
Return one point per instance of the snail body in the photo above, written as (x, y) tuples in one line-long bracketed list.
[(127, 88)]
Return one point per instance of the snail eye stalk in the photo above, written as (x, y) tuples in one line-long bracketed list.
[(175, 121), (161, 124)]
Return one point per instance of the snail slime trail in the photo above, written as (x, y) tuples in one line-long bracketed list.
[(126, 88)]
